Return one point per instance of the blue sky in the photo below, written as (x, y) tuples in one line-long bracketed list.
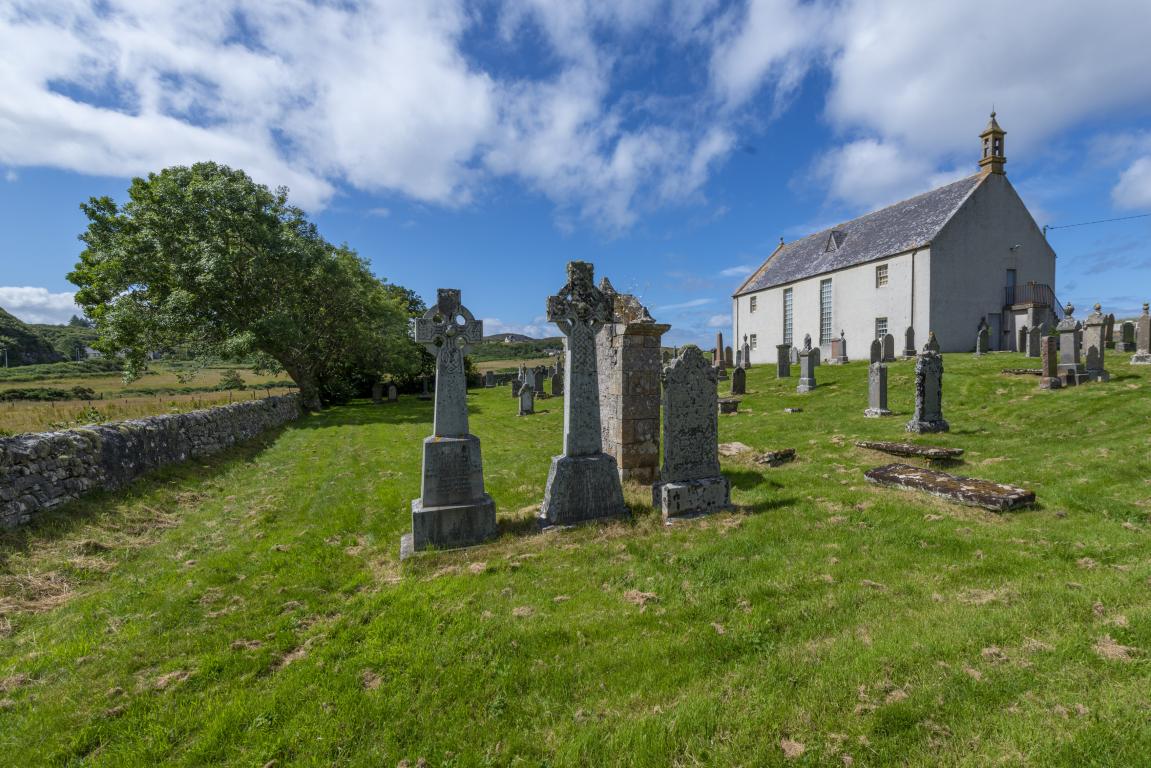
[(481, 144)]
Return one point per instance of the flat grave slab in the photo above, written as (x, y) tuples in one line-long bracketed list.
[(971, 491), (1022, 372), (929, 452), (775, 458)]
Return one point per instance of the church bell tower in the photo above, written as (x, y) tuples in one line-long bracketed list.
[(992, 158)]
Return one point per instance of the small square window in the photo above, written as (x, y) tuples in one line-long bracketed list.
[(880, 327), (751, 303), (752, 340), (881, 276)]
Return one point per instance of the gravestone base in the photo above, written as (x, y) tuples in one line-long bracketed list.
[(805, 385), (1099, 376), (581, 489), (837, 361), (453, 511), (1072, 375), (874, 413), (1050, 382), (450, 527), (925, 427), (691, 498), (1124, 347), (1141, 359)]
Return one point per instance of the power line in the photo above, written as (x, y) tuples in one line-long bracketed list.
[(1100, 221)]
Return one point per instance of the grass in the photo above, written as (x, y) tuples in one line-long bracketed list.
[(511, 364), (252, 607)]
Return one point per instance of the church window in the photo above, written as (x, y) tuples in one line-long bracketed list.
[(824, 311), (751, 303), (880, 327), (787, 326), (752, 341), (881, 276)]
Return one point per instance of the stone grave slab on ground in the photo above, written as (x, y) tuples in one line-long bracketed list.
[(1022, 372), (911, 450), (690, 479), (453, 510), (776, 458), (729, 405), (971, 491)]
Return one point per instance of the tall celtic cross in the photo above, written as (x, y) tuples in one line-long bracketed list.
[(447, 330), (579, 310)]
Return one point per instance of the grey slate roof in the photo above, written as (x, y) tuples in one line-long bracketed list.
[(912, 223)]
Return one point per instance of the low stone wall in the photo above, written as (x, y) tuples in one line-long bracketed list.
[(40, 471)]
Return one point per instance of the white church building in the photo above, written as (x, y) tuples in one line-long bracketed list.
[(940, 261)]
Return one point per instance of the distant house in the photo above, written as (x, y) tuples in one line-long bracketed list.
[(940, 261)]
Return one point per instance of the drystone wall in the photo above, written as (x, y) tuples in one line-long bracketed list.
[(43, 470)]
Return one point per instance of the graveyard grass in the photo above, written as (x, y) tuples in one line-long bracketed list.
[(252, 608)]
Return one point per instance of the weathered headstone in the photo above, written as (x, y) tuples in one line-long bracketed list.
[(746, 352), (877, 391), (717, 356), (816, 356), (1126, 342), (690, 479), (793, 355), (1035, 340), (557, 384), (517, 385), (1071, 370), (739, 358), (738, 381), (583, 483), (393, 393), (1049, 375), (1021, 339), (928, 415), (838, 350), (728, 358), (527, 401), (783, 361), (888, 348), (541, 376), (909, 342), (972, 491), (425, 393), (1142, 354), (983, 338), (378, 392), (807, 360), (490, 379), (1109, 332), (876, 352), (453, 510), (932, 342), (1095, 345)]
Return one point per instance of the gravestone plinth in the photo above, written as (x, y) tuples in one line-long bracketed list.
[(1142, 354), (1049, 368), (808, 359), (1071, 369), (1095, 345), (928, 416), (583, 483), (453, 510), (690, 479), (1126, 342), (738, 381), (876, 391)]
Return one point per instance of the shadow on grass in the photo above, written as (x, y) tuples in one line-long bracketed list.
[(746, 479), (765, 506), (58, 523)]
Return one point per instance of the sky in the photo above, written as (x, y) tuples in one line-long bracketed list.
[(482, 144)]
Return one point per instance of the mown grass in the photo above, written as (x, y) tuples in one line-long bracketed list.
[(253, 608)]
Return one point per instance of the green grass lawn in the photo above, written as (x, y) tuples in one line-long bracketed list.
[(252, 608)]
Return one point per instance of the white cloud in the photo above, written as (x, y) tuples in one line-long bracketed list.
[(381, 213), (539, 328), (684, 305), (740, 270), (11, 176), (1133, 191), (38, 305), (719, 321)]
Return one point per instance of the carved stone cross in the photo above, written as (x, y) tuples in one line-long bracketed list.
[(447, 330), (579, 310)]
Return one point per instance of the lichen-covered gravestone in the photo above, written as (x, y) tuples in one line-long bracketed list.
[(453, 510), (690, 479), (1070, 368), (1095, 345), (783, 361), (1142, 354), (928, 415), (583, 483), (738, 381), (876, 391), (1049, 368), (807, 362)]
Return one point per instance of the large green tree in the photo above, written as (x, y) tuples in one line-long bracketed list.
[(206, 258)]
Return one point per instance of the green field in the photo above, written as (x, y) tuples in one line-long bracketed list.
[(252, 608)]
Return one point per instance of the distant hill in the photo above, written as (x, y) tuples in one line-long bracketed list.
[(66, 339), (511, 338), (504, 346), (25, 346)]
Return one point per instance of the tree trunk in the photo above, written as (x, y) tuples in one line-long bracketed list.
[(309, 392)]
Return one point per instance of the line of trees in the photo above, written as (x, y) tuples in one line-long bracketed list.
[(205, 258)]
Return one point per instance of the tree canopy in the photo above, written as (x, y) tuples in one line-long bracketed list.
[(206, 258)]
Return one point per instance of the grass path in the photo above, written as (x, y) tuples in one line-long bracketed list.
[(252, 607)]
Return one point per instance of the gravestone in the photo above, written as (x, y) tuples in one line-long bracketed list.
[(738, 381), (1095, 345), (1071, 370), (378, 393), (1142, 354), (739, 358), (1109, 332), (888, 348), (909, 342), (983, 338), (1049, 368), (628, 349), (1126, 342), (557, 384), (876, 352), (746, 352), (838, 350), (728, 360), (527, 401), (490, 379), (932, 342), (1021, 339), (816, 354), (517, 385), (1035, 340), (807, 358), (541, 376), (928, 415), (453, 510), (393, 393), (877, 391), (793, 355), (529, 378), (690, 479), (425, 394), (583, 482), (783, 361), (717, 356)]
